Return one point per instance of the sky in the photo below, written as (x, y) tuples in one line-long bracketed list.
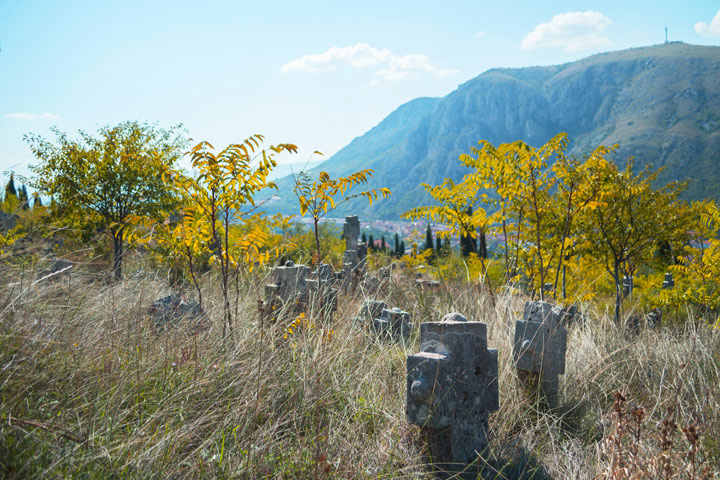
[(316, 74)]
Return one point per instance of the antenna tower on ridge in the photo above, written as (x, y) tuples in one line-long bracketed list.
[(666, 35)]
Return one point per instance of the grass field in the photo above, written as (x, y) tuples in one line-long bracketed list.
[(88, 389)]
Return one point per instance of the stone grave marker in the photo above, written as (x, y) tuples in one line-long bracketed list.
[(539, 349), (370, 310), (174, 309), (354, 254), (452, 387), (288, 291), (668, 281), (393, 322)]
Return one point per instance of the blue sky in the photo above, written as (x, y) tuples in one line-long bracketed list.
[(316, 74)]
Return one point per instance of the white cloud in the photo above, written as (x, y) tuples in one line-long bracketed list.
[(712, 30), (362, 55), (32, 116), (572, 31), (480, 34), (401, 67)]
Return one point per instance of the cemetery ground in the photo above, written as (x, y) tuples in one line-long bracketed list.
[(91, 389)]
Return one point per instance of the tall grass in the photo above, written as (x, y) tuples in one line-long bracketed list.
[(89, 389)]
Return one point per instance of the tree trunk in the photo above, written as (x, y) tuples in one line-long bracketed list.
[(317, 239), (117, 254), (618, 291)]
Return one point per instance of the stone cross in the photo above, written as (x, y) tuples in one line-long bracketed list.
[(452, 387), (393, 322), (668, 282), (539, 349)]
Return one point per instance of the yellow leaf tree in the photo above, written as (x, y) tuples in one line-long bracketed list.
[(320, 197), (220, 204), (104, 180)]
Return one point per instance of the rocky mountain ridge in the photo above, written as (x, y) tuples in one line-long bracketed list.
[(661, 104)]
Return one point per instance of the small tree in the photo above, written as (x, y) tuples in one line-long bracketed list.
[(23, 198), (428, 238), (10, 189), (371, 243), (397, 245), (107, 179), (629, 217), (10, 202), (220, 196), (383, 246), (319, 197)]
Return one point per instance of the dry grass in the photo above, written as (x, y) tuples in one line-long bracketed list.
[(88, 389)]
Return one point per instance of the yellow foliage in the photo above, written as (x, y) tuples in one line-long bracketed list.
[(10, 237), (318, 197)]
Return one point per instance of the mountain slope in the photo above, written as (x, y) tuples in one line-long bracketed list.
[(661, 104)]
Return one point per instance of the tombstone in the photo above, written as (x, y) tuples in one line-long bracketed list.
[(452, 387), (351, 232), (288, 290), (539, 349), (374, 281), (321, 291), (627, 286), (174, 309), (654, 318), (668, 281), (393, 322), (355, 253), (570, 315), (370, 310)]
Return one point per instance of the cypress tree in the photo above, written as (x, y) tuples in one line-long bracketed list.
[(383, 246), (397, 245), (371, 243), (402, 248), (438, 245), (428, 238), (23, 198), (37, 201), (363, 238), (10, 187), (664, 253)]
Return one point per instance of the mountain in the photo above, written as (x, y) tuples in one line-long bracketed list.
[(661, 104)]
